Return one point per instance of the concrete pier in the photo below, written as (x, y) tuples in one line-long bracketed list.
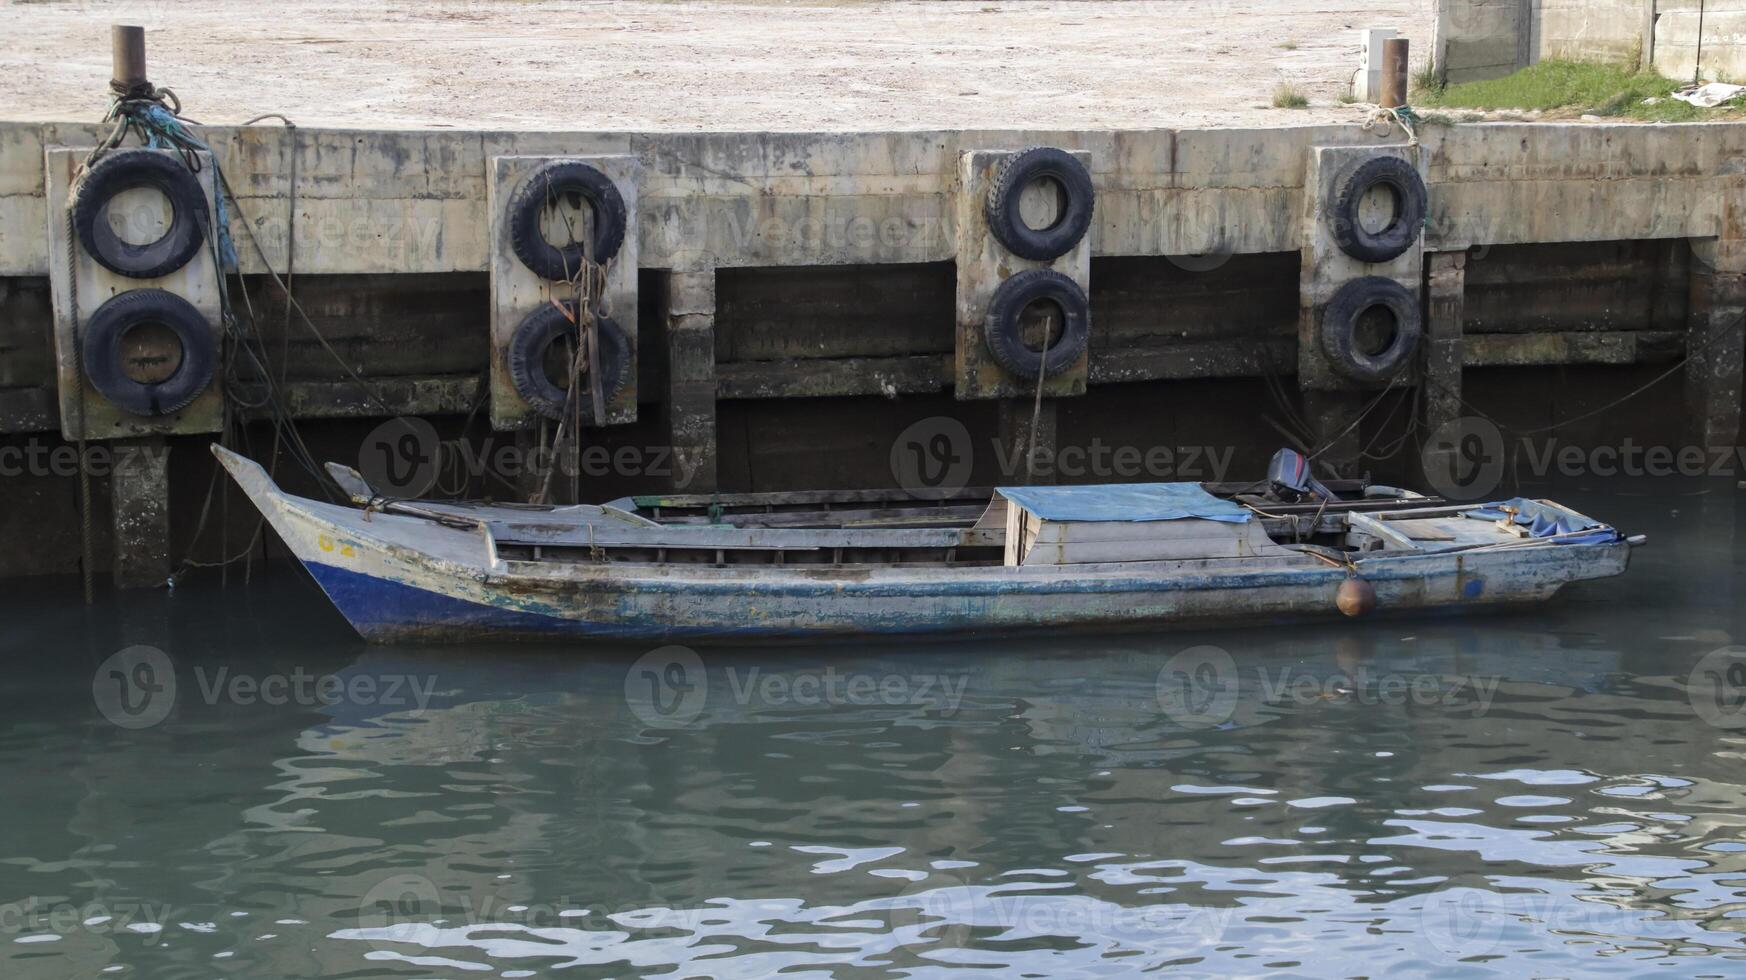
[(816, 270)]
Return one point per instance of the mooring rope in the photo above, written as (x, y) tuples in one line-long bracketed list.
[(590, 303), (1382, 121)]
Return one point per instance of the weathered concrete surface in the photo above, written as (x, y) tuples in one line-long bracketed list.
[(1724, 38), (140, 512), (396, 202), (1443, 355), (1480, 39), (721, 66), (691, 375), (1593, 30)]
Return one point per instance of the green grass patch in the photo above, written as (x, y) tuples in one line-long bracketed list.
[(1577, 88), (1428, 79), (1288, 96)]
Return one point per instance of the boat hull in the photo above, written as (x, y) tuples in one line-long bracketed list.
[(399, 578)]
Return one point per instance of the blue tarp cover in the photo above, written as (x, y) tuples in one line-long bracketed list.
[(1543, 521), (1125, 502)]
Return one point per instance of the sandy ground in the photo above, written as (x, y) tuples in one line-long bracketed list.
[(708, 66)]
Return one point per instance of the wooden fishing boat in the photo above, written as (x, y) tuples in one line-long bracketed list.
[(759, 566)]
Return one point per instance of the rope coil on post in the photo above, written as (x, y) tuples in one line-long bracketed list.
[(1382, 121)]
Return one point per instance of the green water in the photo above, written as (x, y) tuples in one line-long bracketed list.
[(1553, 792)]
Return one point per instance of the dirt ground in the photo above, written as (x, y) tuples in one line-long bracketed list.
[(659, 66)]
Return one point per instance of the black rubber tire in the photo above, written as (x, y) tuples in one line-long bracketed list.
[(1340, 326), (1010, 180), (123, 170), (1001, 330), (527, 352), (103, 334), (1411, 200), (548, 184)]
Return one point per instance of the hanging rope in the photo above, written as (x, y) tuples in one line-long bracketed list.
[(589, 303), (1037, 408)]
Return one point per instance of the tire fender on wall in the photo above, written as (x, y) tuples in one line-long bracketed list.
[(124, 170), (1001, 329), (548, 184), (1010, 180), (1406, 187), (103, 335), (534, 337), (1339, 329)]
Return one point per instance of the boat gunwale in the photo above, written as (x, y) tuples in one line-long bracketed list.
[(1210, 573)]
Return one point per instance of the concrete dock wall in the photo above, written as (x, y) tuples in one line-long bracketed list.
[(794, 285), (1480, 39)]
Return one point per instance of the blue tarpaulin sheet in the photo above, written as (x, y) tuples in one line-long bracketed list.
[(1125, 502), (1543, 521)]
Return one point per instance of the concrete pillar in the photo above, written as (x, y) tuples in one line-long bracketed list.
[(1714, 347), (1445, 292), (691, 376), (1332, 401), (139, 489), (1018, 441)]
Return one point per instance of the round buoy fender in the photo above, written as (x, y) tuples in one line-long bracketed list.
[(1340, 321), (1406, 222), (125, 170), (547, 185), (532, 341), (1001, 331), (1010, 181), (1355, 597), (136, 308)]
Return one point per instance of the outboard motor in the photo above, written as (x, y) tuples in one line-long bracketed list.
[(1288, 475)]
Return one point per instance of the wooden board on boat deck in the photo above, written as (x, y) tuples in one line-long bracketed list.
[(1031, 540), (731, 538)]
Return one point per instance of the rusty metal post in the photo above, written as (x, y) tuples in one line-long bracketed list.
[(1394, 73), (128, 59)]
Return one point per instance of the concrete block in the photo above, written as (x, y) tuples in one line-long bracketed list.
[(982, 265), (516, 291), (78, 286), (1324, 268)]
